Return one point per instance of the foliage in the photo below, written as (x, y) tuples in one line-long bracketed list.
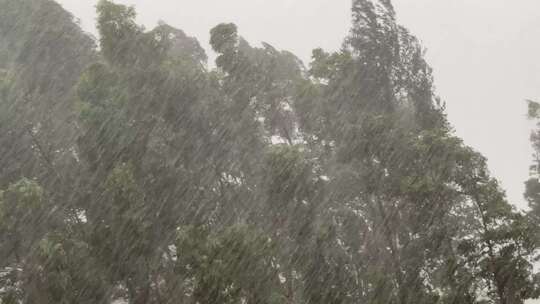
[(146, 177)]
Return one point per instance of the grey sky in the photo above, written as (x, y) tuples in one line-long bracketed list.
[(485, 54), (486, 59)]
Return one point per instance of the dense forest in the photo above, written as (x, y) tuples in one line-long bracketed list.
[(134, 171)]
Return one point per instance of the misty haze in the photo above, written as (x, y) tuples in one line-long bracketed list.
[(269, 152)]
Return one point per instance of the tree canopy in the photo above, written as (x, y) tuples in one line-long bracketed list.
[(132, 172)]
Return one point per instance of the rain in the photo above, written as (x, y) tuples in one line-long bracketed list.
[(150, 165)]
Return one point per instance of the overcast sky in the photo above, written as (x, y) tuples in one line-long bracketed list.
[(485, 55)]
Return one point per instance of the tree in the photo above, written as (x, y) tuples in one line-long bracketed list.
[(41, 66), (259, 181), (532, 192)]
